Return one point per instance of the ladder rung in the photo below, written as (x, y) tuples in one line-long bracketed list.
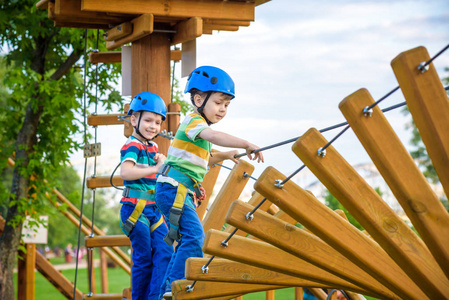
[(107, 119), (103, 181), (106, 241)]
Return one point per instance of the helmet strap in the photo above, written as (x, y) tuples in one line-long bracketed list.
[(201, 109), (138, 131)]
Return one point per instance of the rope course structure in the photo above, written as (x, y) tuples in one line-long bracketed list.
[(261, 248)]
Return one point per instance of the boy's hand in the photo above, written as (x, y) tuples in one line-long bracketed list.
[(231, 155), (159, 158), (257, 155)]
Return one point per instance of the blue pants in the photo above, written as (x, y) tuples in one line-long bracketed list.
[(190, 228), (151, 254)]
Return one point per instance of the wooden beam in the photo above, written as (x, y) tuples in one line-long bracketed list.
[(408, 184), (103, 181), (106, 241), (208, 184), (212, 290), (299, 242), (210, 27), (70, 11), (59, 281), (142, 26), (231, 190), (264, 255), (336, 232), (42, 4), (187, 30), (26, 263), (107, 119), (105, 57), (119, 31), (226, 270), (176, 56), (374, 214), (226, 22), (427, 101), (105, 296), (226, 10)]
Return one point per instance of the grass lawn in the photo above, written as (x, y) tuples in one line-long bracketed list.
[(117, 281)]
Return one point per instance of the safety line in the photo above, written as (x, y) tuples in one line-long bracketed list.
[(423, 66), (85, 165)]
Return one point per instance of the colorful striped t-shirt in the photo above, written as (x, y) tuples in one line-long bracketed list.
[(143, 157), (188, 152)]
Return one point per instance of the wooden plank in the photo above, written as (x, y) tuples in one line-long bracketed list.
[(337, 232), (208, 184), (105, 57), (103, 181), (106, 241), (142, 26), (410, 187), (26, 277), (226, 10), (427, 101), (208, 290), (70, 11), (226, 22), (105, 296), (210, 27), (59, 281), (187, 30), (379, 219), (264, 255), (226, 270), (231, 190), (119, 31), (106, 119), (298, 242)]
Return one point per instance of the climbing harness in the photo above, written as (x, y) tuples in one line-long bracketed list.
[(143, 197), (185, 183)]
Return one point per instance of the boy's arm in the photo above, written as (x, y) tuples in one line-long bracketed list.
[(217, 157), (226, 140), (129, 172)]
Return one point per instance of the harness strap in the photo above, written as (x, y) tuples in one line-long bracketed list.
[(157, 224), (132, 193), (175, 214), (130, 223)]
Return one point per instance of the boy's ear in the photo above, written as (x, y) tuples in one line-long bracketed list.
[(198, 100), (133, 120)]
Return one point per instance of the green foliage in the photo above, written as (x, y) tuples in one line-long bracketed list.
[(34, 75)]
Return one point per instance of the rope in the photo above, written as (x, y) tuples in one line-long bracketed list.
[(85, 164)]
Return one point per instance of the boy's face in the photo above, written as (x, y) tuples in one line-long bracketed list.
[(150, 124), (216, 107)]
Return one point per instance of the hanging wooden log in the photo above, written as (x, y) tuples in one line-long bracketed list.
[(225, 270), (264, 255), (208, 184), (420, 203), (231, 190), (337, 232), (381, 222), (304, 245), (142, 26), (428, 103), (103, 181), (187, 30)]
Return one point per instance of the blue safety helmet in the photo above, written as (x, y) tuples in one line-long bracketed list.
[(210, 79), (147, 101)]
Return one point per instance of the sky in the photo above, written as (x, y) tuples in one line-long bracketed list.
[(298, 59)]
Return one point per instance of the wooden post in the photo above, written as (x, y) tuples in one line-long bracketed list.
[(151, 72), (269, 295), (298, 293), (26, 276), (208, 184), (103, 271)]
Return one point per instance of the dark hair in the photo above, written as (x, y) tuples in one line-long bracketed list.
[(194, 92)]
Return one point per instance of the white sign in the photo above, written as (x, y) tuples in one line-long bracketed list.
[(33, 232)]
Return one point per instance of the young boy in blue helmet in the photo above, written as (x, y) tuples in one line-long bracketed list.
[(178, 190), (140, 218)]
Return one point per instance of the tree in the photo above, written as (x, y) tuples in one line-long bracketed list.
[(42, 113)]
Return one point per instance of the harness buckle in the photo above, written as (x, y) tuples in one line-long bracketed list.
[(164, 169), (126, 192), (129, 226)]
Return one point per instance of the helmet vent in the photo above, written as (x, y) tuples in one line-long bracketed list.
[(144, 101), (205, 74), (213, 80)]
